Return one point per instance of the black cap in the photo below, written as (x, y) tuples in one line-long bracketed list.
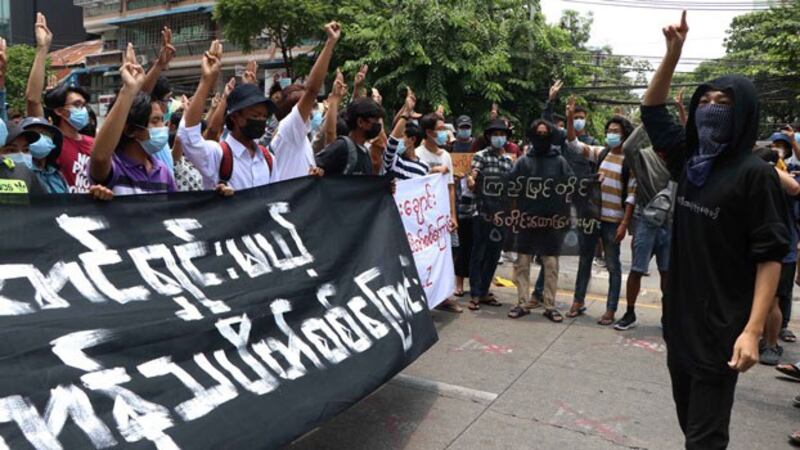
[(246, 95), (15, 131), (497, 125), (58, 138), (463, 121)]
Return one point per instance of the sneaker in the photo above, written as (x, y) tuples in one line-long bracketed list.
[(771, 356), (599, 262), (627, 322)]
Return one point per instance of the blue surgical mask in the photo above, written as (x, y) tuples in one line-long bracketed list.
[(580, 124), (797, 137), (79, 117), (285, 82), (159, 136), (3, 133), (613, 140), (401, 147), (168, 113), (441, 138), (42, 148), (316, 120), (464, 133), (21, 159), (499, 142)]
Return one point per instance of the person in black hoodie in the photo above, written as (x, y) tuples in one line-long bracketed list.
[(542, 160), (729, 236)]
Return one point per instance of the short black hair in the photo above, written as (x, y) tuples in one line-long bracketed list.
[(413, 131), (766, 153), (57, 98), (559, 118), (627, 126), (139, 114), (429, 121), (363, 108), (535, 124), (161, 89), (579, 108), (284, 107)]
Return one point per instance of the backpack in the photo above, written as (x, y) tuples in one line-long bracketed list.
[(226, 165), (626, 173), (659, 209), (352, 155)]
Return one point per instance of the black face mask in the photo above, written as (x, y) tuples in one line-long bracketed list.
[(255, 128), (374, 131), (541, 144)]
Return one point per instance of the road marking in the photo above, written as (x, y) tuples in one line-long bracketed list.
[(444, 389)]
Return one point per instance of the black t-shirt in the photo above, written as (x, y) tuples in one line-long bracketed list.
[(333, 159), (721, 232)]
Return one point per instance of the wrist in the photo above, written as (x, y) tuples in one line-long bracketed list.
[(753, 332)]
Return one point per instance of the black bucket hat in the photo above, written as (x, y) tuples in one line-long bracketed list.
[(497, 125), (247, 95), (15, 131)]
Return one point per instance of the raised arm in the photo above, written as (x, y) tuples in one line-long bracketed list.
[(217, 119), (547, 113), (317, 76), (110, 133), (680, 106), (33, 93), (658, 91), (358, 83), (3, 66), (405, 112), (164, 58), (332, 114), (210, 68)]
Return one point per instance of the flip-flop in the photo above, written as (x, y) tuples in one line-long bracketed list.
[(789, 370), (474, 305), (450, 307), (490, 301), (605, 322), (786, 335), (577, 313), (553, 315), (458, 294)]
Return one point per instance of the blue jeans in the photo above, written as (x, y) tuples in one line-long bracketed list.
[(487, 243), (607, 234)]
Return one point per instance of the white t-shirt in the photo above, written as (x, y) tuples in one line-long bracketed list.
[(294, 156), (434, 160)]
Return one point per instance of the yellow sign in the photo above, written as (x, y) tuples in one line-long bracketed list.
[(13, 187)]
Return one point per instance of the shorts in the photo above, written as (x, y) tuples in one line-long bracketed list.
[(786, 283), (649, 240)]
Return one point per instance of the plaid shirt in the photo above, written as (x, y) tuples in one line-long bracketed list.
[(489, 164)]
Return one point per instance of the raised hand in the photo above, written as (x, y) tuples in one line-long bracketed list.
[(167, 49), (334, 31), (679, 97), (339, 86), (571, 106), (494, 113), (376, 95), (676, 35), (132, 73), (229, 87), (3, 57), (212, 61), (44, 37), (411, 102), (361, 75), (554, 89), (249, 76), (52, 81)]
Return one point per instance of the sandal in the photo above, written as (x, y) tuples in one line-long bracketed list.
[(490, 301), (450, 306), (517, 312), (553, 315), (789, 370), (786, 335), (474, 305), (573, 313), (605, 321), (794, 439), (458, 294)]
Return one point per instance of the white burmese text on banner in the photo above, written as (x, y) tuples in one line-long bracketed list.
[(424, 205)]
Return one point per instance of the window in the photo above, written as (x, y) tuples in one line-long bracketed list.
[(5, 20), (139, 4)]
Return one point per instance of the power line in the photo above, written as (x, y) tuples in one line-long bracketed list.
[(665, 5)]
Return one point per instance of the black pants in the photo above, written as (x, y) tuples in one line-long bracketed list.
[(704, 406), (463, 252), (785, 288)]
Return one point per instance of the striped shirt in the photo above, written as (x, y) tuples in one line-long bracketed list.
[(612, 188), (400, 167)]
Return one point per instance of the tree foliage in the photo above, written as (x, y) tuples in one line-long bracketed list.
[(20, 60)]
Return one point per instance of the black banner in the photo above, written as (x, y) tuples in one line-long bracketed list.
[(543, 216), (193, 321)]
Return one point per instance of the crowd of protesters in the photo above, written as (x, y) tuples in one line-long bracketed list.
[(692, 192)]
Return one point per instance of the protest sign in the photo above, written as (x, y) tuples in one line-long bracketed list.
[(542, 216), (196, 321), (462, 163), (424, 205)]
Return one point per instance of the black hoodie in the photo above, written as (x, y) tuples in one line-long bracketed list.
[(721, 231)]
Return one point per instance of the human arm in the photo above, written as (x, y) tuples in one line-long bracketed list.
[(317, 76), (453, 216), (547, 113), (33, 92), (3, 67), (210, 68), (132, 74), (376, 150), (358, 83), (681, 108), (630, 205), (745, 350), (165, 56), (217, 119), (789, 185), (332, 114)]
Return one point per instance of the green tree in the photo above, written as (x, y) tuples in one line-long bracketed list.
[(20, 60), (286, 23)]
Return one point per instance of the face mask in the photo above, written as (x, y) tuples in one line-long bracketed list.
[(316, 120), (464, 133), (42, 148), (441, 138), (580, 124), (3, 133), (285, 82), (714, 126), (374, 131), (540, 143), (21, 159), (797, 137), (401, 147), (168, 114), (499, 142), (613, 140), (79, 117), (159, 136), (255, 128)]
